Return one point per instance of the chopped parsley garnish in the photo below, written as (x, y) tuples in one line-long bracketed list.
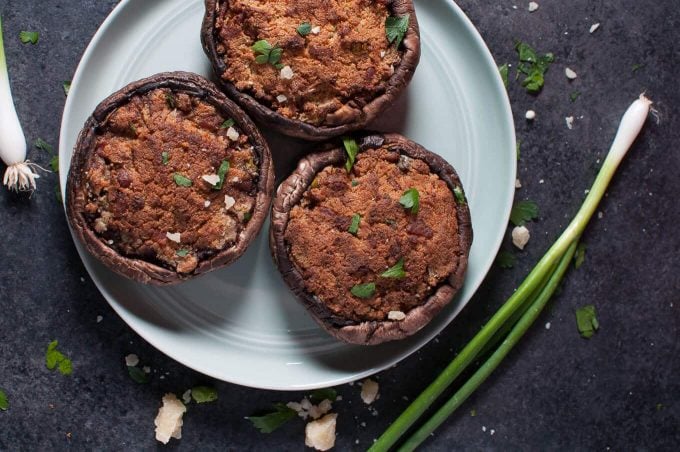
[(247, 216), (396, 28), (228, 123), (320, 395), (181, 180), (182, 253), (222, 173), (460, 196), (355, 183), (165, 156), (363, 290), (29, 37), (522, 212), (411, 200), (41, 144), (396, 272), (54, 359), (171, 101), (203, 394), (269, 422), (57, 194), (66, 86), (532, 66), (505, 259), (304, 29), (354, 227), (4, 403), (54, 163), (586, 321), (637, 67), (575, 95), (517, 145), (579, 255), (133, 129), (267, 54), (352, 149), (138, 375), (504, 70)]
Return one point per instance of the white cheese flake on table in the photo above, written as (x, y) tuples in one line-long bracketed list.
[(212, 179), (520, 236), (570, 122), (594, 27), (571, 75), (99, 319), (287, 73), (533, 6), (530, 115), (229, 202), (320, 434), (146, 369), (547, 325), (369, 391), (518, 184), (396, 315), (316, 30), (131, 360), (169, 419), (232, 134), (174, 236), (186, 397), (281, 98)]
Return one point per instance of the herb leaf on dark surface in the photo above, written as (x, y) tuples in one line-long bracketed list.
[(270, 422), (523, 212)]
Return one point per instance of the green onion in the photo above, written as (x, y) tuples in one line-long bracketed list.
[(521, 309)]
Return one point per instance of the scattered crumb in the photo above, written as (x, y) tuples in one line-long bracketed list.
[(316, 30), (320, 434), (169, 419), (571, 75), (146, 369), (530, 115), (131, 360), (306, 409), (174, 236), (212, 179), (492, 431), (600, 215), (542, 181), (232, 134), (594, 27), (82, 279), (547, 326), (483, 428), (396, 315), (99, 319), (206, 203), (186, 397), (570, 122), (281, 98), (533, 6), (287, 73), (520, 236), (229, 202), (518, 184), (369, 391)]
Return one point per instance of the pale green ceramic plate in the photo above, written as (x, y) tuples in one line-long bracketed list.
[(241, 324)]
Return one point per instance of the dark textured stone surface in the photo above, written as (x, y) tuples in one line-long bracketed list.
[(555, 391)]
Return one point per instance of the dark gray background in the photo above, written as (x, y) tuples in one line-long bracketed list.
[(555, 391)]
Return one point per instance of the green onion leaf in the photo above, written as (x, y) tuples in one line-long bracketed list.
[(228, 123), (354, 227), (41, 144), (411, 200), (165, 156), (522, 212), (580, 255), (320, 395), (138, 375), (363, 290), (66, 86), (4, 403), (506, 259), (304, 29), (203, 394), (29, 37), (396, 28), (586, 321), (272, 421), (352, 149), (222, 173), (181, 180), (396, 272), (54, 359)]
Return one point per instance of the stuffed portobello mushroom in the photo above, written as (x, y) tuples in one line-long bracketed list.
[(169, 179), (373, 236), (312, 69)]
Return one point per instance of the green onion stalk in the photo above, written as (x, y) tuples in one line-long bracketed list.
[(520, 311)]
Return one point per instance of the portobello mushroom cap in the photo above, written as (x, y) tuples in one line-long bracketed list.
[(352, 114), (204, 105), (292, 191)]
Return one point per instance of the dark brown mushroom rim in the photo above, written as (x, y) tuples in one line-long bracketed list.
[(351, 116), (290, 193), (152, 271)]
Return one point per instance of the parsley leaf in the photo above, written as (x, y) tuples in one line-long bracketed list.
[(54, 163), (66, 86), (320, 395), (411, 200), (518, 144), (182, 253), (460, 196), (522, 212), (54, 359), (57, 194), (43, 145), (272, 421), (138, 375), (505, 259), (267, 54), (532, 66), (203, 394), (4, 403), (586, 321), (171, 101), (504, 73), (304, 29), (637, 67), (165, 157), (27, 37), (575, 95), (221, 173), (396, 28), (354, 227), (181, 180), (579, 255), (228, 123), (396, 271), (352, 149), (363, 290)]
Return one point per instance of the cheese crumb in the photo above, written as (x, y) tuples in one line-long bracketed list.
[(131, 360), (287, 73), (169, 419), (174, 236), (533, 6), (316, 30), (206, 203), (571, 75), (547, 325), (232, 134), (99, 319), (518, 184), (520, 236), (396, 315), (229, 202), (530, 115), (146, 369), (570, 122), (281, 98), (212, 179), (382, 54), (320, 434), (186, 397), (369, 391), (594, 27)]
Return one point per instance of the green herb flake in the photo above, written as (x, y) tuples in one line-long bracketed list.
[(352, 149), (363, 290), (247, 216), (411, 200), (165, 157), (138, 375), (181, 180), (517, 148), (396, 271), (29, 37), (506, 259), (182, 253), (473, 412), (637, 67), (272, 421), (579, 255), (57, 194), (54, 163), (396, 28), (504, 70), (304, 29), (267, 54), (355, 183), (67, 87), (532, 66), (54, 359), (4, 403), (575, 95), (228, 123), (320, 395), (204, 394), (523, 212), (171, 101), (460, 196), (133, 129), (354, 227), (43, 145), (586, 321), (222, 173)]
